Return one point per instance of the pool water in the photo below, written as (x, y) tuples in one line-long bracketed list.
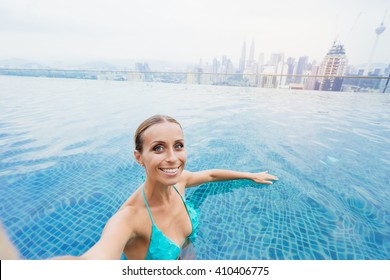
[(66, 166)]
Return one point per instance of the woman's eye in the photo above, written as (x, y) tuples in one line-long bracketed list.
[(158, 148), (179, 146)]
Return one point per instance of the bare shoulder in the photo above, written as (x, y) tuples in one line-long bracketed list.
[(127, 211), (129, 214), (124, 218), (186, 174), (135, 200), (185, 177), (182, 183), (133, 212)]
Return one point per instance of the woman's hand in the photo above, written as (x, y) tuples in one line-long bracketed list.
[(263, 178), (8, 250)]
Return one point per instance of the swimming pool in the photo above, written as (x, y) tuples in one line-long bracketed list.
[(66, 165)]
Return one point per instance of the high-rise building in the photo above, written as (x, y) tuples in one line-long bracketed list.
[(269, 81), (290, 70), (332, 67), (276, 58), (227, 66), (241, 66), (216, 65), (301, 68), (251, 58), (310, 82), (260, 63), (144, 70)]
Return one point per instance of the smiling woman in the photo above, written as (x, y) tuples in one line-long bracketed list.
[(156, 222)]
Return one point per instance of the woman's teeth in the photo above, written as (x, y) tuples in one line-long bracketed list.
[(173, 170)]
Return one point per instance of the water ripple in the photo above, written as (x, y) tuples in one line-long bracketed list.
[(66, 165)]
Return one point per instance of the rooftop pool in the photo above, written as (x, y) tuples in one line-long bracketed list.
[(66, 166)]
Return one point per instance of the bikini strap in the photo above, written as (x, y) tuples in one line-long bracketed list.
[(147, 204), (182, 198), (189, 215)]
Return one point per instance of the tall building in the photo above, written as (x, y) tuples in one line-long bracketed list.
[(333, 65), (251, 58), (269, 81), (290, 70), (276, 58), (301, 68), (144, 70), (260, 63), (241, 66), (310, 82), (216, 65), (227, 65)]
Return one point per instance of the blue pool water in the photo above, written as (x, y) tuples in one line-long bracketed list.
[(66, 165)]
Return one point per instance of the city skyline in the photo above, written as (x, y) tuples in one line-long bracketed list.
[(332, 74), (187, 31)]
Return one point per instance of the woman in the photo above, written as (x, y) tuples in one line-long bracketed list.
[(155, 222)]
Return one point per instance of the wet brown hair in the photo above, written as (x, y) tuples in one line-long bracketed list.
[(148, 123)]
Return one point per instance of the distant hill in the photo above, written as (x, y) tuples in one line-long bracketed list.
[(117, 64), (29, 64), (97, 65), (20, 63)]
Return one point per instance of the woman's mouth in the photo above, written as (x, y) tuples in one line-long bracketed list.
[(170, 171)]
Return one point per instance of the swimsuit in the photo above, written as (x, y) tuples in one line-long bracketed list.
[(161, 247)]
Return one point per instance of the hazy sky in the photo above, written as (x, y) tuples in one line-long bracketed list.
[(180, 30)]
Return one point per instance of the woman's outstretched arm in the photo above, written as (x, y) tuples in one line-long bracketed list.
[(197, 178), (117, 232)]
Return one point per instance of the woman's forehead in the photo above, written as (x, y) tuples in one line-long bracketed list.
[(163, 132)]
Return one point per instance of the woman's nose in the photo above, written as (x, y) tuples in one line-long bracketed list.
[(171, 155)]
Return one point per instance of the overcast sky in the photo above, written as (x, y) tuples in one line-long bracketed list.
[(180, 30)]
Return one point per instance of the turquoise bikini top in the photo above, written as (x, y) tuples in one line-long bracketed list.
[(161, 247)]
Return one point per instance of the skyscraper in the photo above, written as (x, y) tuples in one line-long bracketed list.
[(276, 58), (251, 58), (301, 67), (333, 65), (290, 70), (241, 67)]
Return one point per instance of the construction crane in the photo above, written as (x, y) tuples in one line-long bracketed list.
[(379, 30)]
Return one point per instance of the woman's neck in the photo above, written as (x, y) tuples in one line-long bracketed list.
[(157, 193)]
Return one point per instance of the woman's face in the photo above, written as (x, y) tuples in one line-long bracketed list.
[(163, 154)]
